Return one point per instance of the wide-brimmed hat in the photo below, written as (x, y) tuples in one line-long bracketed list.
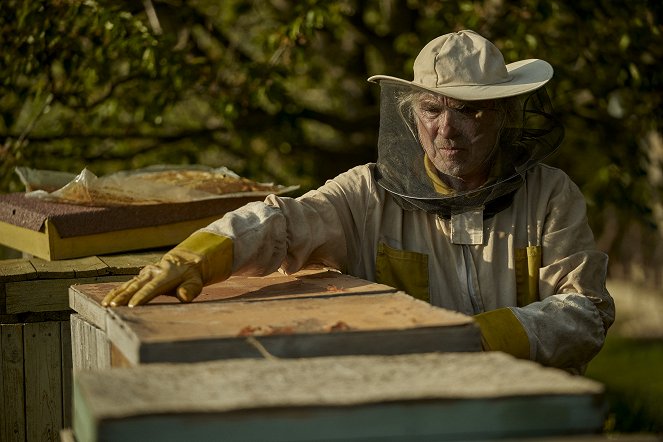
[(465, 66)]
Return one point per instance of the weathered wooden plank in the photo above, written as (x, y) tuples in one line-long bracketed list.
[(304, 284), (70, 268), (43, 381), (435, 396), (131, 263), (81, 350), (65, 338), (89, 266), (12, 387), (46, 294), (20, 318), (53, 269), (86, 299), (103, 345), (314, 312), (3, 301), (16, 270), (390, 323), (90, 346)]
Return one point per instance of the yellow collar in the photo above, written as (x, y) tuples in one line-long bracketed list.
[(441, 188), (438, 184)]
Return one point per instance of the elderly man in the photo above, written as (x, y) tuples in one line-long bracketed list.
[(457, 211)]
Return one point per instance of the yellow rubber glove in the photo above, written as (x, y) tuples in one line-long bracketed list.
[(501, 331), (203, 258)]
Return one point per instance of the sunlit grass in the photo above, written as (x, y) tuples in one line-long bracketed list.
[(632, 371)]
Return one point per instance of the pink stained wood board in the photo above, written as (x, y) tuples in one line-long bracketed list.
[(315, 313)]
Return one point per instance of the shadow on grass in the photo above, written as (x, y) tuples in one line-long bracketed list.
[(632, 371)]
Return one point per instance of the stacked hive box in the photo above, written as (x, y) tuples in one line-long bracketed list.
[(414, 397), (35, 338), (54, 231), (312, 356), (311, 313), (35, 328)]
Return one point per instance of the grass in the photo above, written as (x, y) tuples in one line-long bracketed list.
[(632, 371)]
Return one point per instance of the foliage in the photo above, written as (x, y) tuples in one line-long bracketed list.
[(630, 370), (277, 90)]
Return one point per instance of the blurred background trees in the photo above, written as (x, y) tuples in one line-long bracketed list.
[(276, 90)]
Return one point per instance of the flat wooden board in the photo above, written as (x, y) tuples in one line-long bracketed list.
[(90, 346), (12, 383), (86, 299), (37, 285), (43, 386), (16, 270), (435, 396), (70, 268), (392, 323), (313, 313), (24, 269), (46, 295), (394, 311), (130, 264)]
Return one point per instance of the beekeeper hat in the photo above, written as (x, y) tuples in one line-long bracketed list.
[(465, 66)]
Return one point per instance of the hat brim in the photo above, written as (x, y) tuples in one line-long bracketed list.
[(524, 76)]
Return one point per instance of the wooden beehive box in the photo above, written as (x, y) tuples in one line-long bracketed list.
[(35, 339), (434, 396), (54, 231), (312, 313)]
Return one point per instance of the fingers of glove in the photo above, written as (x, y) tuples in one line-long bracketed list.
[(190, 287), (110, 296), (169, 274), (151, 277), (161, 284), (121, 294), (145, 294)]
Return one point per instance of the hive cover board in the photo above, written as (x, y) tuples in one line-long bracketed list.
[(430, 396), (303, 315), (54, 231)]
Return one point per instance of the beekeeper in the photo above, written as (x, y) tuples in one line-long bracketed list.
[(457, 211)]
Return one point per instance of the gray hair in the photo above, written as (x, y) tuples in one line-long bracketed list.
[(510, 107)]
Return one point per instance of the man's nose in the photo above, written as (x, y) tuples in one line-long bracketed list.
[(447, 124)]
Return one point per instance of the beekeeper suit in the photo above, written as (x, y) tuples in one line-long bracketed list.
[(457, 211)]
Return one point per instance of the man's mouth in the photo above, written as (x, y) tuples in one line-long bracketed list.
[(447, 145), (449, 148)]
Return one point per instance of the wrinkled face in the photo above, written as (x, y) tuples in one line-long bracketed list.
[(459, 137)]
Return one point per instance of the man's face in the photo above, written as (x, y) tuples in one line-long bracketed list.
[(458, 137)]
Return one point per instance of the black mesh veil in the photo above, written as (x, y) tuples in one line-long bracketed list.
[(530, 134)]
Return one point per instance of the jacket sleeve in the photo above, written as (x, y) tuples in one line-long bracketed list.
[(567, 326), (291, 233)]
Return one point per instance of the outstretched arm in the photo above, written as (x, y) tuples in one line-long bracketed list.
[(566, 325)]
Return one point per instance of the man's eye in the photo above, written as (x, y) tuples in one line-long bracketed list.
[(468, 111), (431, 109)]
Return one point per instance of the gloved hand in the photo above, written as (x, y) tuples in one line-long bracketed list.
[(203, 258), (501, 331)]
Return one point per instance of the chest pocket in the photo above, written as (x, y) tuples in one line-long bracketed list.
[(404, 270), (528, 263)]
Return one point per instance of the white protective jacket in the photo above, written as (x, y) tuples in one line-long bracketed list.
[(534, 281)]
